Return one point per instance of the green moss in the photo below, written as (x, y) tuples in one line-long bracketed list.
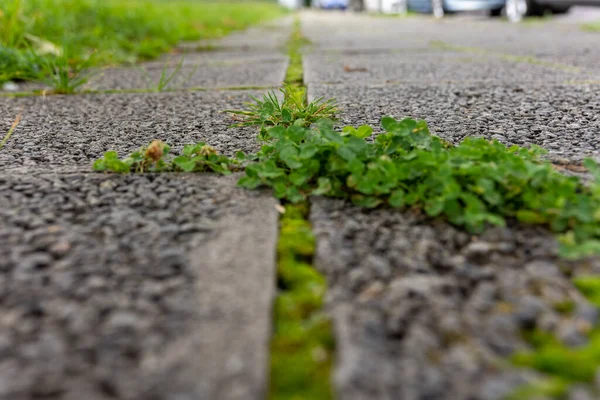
[(565, 307), (590, 287), (549, 388), (295, 73), (563, 365), (302, 344)]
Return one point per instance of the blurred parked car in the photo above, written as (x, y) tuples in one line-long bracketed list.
[(439, 7), (332, 4)]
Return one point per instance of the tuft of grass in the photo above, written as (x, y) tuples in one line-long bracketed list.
[(116, 31), (293, 109), (63, 77), (167, 77)]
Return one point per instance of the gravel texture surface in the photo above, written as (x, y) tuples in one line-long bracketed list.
[(424, 311), (67, 133), (564, 119), (134, 287), (433, 68)]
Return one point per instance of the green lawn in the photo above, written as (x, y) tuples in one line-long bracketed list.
[(111, 31)]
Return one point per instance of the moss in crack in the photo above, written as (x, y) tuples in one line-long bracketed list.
[(302, 345), (294, 75), (563, 366)]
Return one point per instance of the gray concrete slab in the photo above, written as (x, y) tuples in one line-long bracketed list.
[(435, 68), (218, 57), (134, 287), (559, 43), (564, 119), (350, 31), (423, 310), (270, 35), (67, 133), (223, 74)]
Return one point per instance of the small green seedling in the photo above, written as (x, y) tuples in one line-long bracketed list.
[(198, 157), (167, 77), (147, 159)]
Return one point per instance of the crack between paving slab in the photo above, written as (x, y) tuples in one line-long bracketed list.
[(302, 344), (126, 91)]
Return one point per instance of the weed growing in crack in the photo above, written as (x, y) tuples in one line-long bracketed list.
[(474, 184), (294, 109)]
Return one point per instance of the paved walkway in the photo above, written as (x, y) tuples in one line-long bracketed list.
[(422, 310), (161, 287), (138, 287)]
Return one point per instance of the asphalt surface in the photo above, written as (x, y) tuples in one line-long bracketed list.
[(161, 286)]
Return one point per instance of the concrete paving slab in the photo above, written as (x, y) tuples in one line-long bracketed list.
[(134, 287), (67, 133), (567, 44), (434, 68), (350, 31), (425, 311), (218, 57), (564, 119), (270, 35), (269, 72)]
